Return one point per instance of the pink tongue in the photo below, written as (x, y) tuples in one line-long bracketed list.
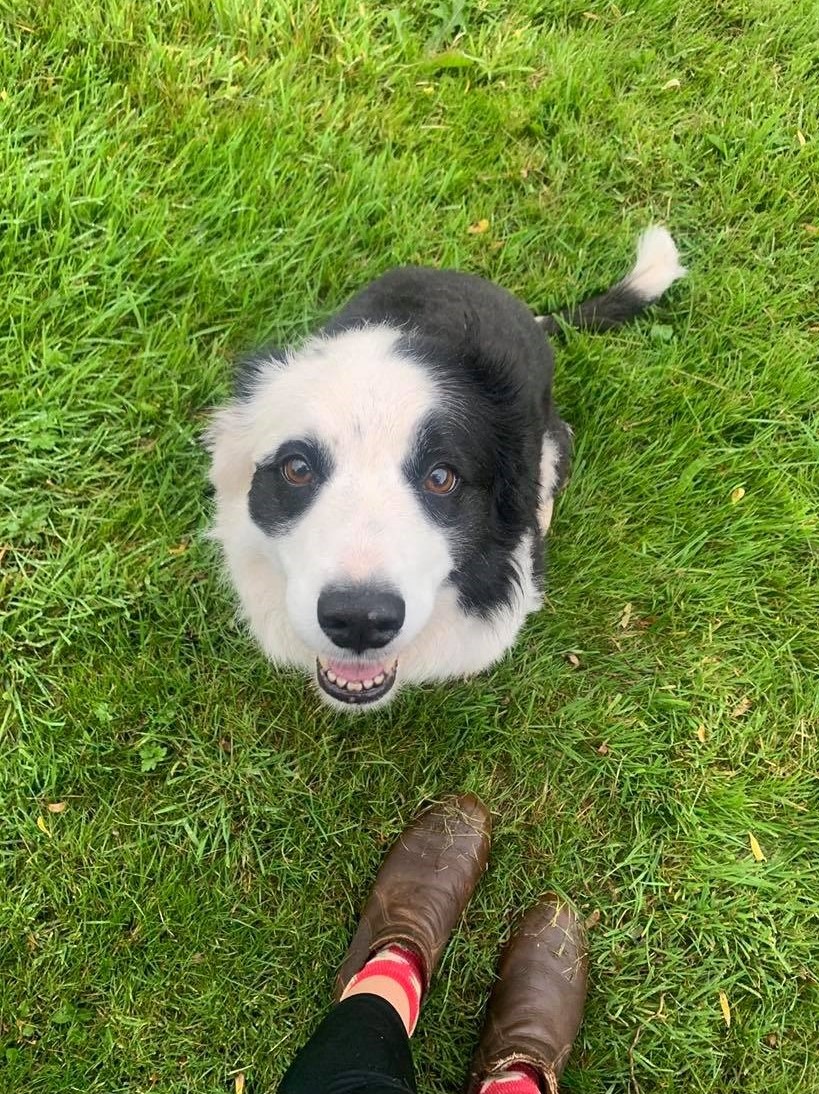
[(355, 672)]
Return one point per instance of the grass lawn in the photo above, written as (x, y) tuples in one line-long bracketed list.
[(182, 178)]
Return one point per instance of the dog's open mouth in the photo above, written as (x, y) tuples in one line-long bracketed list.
[(356, 684)]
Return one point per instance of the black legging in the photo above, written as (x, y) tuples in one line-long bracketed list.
[(361, 1047)]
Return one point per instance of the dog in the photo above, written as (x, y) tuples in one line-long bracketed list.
[(383, 490)]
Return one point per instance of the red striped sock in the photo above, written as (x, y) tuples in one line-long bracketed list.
[(401, 965), (516, 1079)]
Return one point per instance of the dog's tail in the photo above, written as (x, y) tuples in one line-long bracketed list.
[(656, 268)]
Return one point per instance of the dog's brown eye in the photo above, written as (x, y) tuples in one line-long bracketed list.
[(297, 471), (441, 480)]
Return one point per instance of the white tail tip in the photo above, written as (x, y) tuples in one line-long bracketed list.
[(657, 266)]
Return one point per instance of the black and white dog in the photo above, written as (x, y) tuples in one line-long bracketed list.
[(383, 490)]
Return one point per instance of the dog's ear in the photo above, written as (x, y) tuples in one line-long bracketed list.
[(250, 366)]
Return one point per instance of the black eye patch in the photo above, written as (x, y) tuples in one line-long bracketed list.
[(479, 537), (274, 503), (442, 444)]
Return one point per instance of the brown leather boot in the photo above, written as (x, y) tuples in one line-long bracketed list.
[(536, 1005), (424, 885)]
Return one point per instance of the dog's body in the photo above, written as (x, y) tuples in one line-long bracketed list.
[(383, 491)]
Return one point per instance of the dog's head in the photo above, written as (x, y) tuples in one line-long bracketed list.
[(373, 500)]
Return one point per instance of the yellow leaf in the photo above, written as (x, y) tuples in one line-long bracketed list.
[(737, 495), (479, 228), (573, 660), (625, 617), (670, 85), (56, 807), (41, 824), (180, 548), (800, 136), (701, 734), (726, 1008), (756, 850), (742, 707), (239, 1082)]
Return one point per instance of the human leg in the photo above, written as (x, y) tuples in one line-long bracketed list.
[(360, 1047), (420, 893)]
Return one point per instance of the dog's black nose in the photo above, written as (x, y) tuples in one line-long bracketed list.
[(360, 617)]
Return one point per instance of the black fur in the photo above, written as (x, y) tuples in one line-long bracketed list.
[(489, 356), (274, 504), (613, 308), (250, 367)]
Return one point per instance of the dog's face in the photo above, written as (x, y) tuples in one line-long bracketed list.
[(358, 504)]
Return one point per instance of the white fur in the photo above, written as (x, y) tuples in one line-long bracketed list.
[(548, 483), (366, 523), (657, 266), (454, 644)]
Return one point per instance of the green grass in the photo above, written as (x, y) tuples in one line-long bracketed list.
[(182, 178)]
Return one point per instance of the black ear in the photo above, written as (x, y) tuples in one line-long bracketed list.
[(250, 366)]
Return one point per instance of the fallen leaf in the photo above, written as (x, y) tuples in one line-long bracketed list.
[(591, 16), (812, 228), (756, 850), (625, 616), (593, 919), (603, 749), (737, 494), (800, 136), (479, 227), (239, 1082), (573, 659), (644, 623), (670, 85), (726, 1008), (57, 807), (180, 548), (742, 707), (772, 1040), (701, 734), (41, 824)]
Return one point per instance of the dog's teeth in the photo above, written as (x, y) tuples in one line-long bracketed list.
[(376, 680), (368, 684), (331, 676), (342, 683), (355, 685)]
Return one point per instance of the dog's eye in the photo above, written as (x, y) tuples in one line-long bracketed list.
[(441, 480), (297, 471)]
